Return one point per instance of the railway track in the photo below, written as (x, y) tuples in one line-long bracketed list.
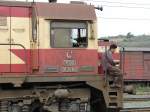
[(131, 98), (136, 103), (136, 110)]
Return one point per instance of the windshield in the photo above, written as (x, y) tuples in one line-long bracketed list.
[(68, 34)]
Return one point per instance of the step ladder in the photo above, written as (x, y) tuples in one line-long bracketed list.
[(114, 94)]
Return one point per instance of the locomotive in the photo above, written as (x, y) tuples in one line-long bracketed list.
[(49, 60)]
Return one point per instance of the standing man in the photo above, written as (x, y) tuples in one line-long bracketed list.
[(109, 66)]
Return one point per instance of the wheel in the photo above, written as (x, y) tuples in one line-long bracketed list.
[(36, 107)]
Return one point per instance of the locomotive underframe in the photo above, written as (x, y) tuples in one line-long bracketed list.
[(28, 94)]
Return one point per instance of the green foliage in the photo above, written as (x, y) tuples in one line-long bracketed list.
[(129, 35), (131, 40)]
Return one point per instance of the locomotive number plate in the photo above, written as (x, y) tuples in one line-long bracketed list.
[(69, 62), (69, 69)]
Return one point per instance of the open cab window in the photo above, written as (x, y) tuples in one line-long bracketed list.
[(69, 34)]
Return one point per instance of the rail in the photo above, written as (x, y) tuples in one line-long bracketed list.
[(136, 110), (25, 57), (136, 103)]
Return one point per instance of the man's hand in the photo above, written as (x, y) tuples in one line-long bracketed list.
[(117, 62)]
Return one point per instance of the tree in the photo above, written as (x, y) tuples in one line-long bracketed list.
[(129, 35)]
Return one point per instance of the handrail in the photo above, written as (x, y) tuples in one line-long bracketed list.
[(122, 59), (24, 50)]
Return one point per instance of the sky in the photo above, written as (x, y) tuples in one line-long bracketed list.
[(120, 16)]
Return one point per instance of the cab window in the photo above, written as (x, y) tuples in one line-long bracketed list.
[(69, 34)]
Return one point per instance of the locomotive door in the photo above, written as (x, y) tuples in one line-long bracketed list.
[(20, 39), (5, 39)]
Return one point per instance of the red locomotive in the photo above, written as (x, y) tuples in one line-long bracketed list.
[(49, 60)]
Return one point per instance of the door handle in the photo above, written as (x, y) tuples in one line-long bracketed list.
[(8, 39), (12, 40)]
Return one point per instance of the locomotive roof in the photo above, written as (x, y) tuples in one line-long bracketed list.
[(58, 10), (139, 49), (15, 3), (66, 11)]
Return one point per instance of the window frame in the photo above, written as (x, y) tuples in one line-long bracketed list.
[(86, 23)]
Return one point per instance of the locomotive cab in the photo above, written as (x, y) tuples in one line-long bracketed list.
[(67, 43)]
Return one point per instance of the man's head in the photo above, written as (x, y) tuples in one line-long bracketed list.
[(113, 48)]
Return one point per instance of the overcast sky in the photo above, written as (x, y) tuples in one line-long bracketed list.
[(120, 16)]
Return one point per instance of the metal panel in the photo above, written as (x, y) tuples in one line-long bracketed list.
[(146, 65), (133, 65), (136, 49), (4, 39), (15, 3), (20, 34), (66, 11), (68, 61)]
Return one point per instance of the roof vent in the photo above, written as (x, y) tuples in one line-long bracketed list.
[(77, 2)]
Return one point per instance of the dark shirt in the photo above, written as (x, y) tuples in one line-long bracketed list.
[(107, 60)]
